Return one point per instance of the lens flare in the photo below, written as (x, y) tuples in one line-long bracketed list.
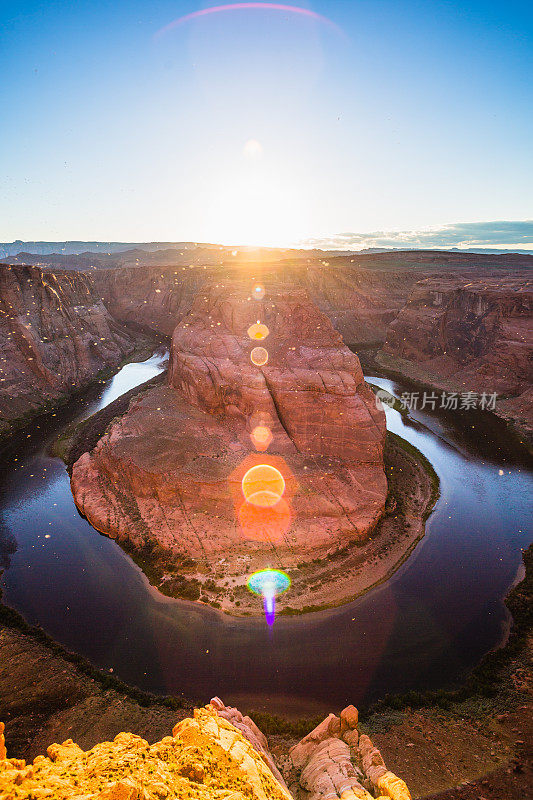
[(259, 356), (252, 149), (269, 583), (263, 485), (282, 7), (261, 437), (258, 331), (265, 523), (258, 292)]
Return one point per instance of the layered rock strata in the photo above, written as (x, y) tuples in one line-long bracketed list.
[(169, 472), (469, 335), (216, 754), (56, 336), (359, 302)]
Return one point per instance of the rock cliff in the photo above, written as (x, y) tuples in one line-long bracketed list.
[(469, 335), (169, 473), (216, 754), (56, 335), (359, 302)]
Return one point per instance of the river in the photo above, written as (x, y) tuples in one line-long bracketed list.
[(425, 628)]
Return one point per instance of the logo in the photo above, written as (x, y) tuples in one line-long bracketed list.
[(383, 398)]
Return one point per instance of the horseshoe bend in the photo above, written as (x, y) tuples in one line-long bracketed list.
[(173, 478)]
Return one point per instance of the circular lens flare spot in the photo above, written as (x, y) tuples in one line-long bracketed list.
[(261, 437), (258, 331), (252, 149), (269, 582), (263, 485), (258, 292), (259, 356)]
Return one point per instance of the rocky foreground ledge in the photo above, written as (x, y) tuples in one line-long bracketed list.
[(219, 753)]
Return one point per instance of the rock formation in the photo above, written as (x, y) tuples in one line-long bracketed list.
[(469, 335), (169, 472), (155, 298), (335, 761), (217, 754), (55, 336), (361, 293), (359, 302), (205, 758)]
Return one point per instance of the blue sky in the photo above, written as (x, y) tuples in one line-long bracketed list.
[(261, 126)]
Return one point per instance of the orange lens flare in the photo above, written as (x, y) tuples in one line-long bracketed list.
[(261, 437), (258, 331), (263, 485), (259, 356), (265, 523)]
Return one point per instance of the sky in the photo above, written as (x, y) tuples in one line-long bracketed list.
[(356, 122)]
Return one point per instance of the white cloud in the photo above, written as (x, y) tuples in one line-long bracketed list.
[(464, 235)]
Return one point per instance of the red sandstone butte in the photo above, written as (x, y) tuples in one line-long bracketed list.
[(169, 471)]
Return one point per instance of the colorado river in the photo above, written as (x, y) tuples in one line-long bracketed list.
[(424, 628)]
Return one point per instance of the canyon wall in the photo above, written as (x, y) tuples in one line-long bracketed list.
[(472, 325), (469, 335), (359, 302), (56, 336)]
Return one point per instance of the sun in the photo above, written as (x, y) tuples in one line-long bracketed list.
[(257, 202)]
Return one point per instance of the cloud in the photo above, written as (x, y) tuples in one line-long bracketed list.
[(464, 235)]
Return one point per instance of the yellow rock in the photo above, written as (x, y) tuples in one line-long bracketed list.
[(391, 786), (205, 759)]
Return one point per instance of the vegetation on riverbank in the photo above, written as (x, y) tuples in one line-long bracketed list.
[(80, 437), (413, 492), (12, 619), (362, 564)]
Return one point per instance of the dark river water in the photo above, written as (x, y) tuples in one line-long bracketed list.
[(425, 628)]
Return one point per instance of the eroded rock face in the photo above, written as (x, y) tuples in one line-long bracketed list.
[(359, 302), (169, 472), (55, 337), (472, 335), (152, 297), (312, 385)]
